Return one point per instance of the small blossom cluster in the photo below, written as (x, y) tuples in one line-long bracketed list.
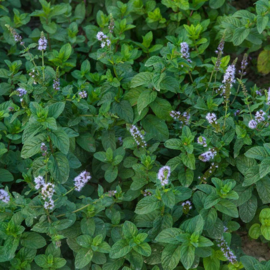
[(185, 51), (21, 92), (228, 79), (244, 64), (211, 118), (268, 97), (104, 39), (259, 116), (187, 204), (209, 172), (259, 92), (202, 141), (227, 252), (33, 75), (47, 191), (219, 52), (82, 94), (236, 112), (146, 193), (81, 180), (163, 175), (225, 229), (42, 44), (44, 149), (252, 124), (15, 35), (112, 193), (137, 136), (111, 25), (208, 155), (182, 118), (56, 84), (4, 197)]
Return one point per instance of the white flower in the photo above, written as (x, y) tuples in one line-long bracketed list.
[(137, 136), (81, 180), (56, 84), (49, 204), (83, 94), (259, 116), (185, 51), (21, 92), (4, 197), (211, 118), (163, 175), (39, 181), (42, 44), (47, 191), (187, 205), (252, 124), (101, 35), (202, 141), (229, 76), (111, 193), (208, 155)]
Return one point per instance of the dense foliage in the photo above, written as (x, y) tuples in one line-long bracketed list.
[(131, 136)]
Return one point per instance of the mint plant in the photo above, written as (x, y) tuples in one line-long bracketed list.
[(131, 136)]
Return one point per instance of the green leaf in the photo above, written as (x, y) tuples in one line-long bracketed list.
[(147, 205), (188, 160), (263, 62), (59, 167), (187, 255), (56, 109), (124, 110), (248, 262), (239, 35), (83, 257), (111, 174), (161, 108), (143, 78), (61, 140), (6, 176), (145, 98), (171, 256), (129, 230), (120, 249), (185, 176), (33, 240), (168, 236), (211, 263), (252, 176), (174, 144), (227, 207), (248, 210), (262, 22), (263, 188), (255, 231), (257, 152), (168, 198), (84, 241), (215, 4), (144, 249), (156, 127), (32, 146), (86, 142), (65, 52)]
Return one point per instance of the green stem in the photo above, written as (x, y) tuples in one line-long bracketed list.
[(43, 67)]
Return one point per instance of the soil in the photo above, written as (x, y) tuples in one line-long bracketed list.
[(255, 248)]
